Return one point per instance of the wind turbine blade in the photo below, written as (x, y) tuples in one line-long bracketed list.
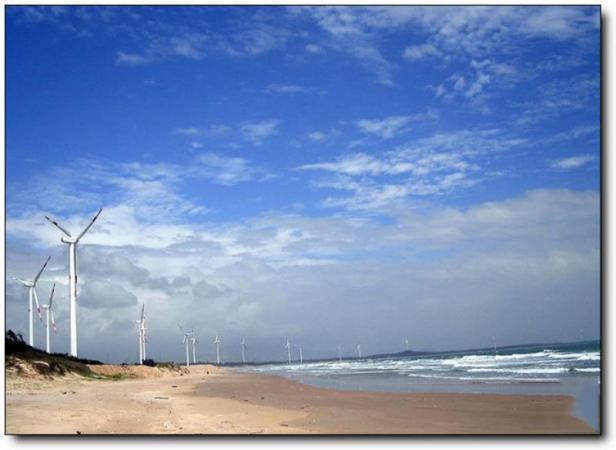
[(85, 230), (142, 312), (53, 288), (181, 328), (38, 307), (63, 230), (38, 275), (53, 321), (21, 280)]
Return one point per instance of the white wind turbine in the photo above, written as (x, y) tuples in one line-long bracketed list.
[(406, 344), (72, 277), (359, 351), (50, 319), (194, 341), (217, 344), (288, 346), (31, 285), (243, 351), (186, 341), (301, 356), (141, 332)]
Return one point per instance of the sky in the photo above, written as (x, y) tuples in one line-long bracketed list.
[(330, 175)]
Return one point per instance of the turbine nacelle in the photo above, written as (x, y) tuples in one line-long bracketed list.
[(68, 240)]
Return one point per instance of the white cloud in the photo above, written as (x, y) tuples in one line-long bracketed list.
[(441, 163), (191, 131), (417, 52), (572, 162), (392, 126), (313, 48), (132, 59), (226, 170), (257, 132), (512, 258), (278, 88), (385, 128)]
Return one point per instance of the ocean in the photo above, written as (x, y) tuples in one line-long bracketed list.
[(570, 369)]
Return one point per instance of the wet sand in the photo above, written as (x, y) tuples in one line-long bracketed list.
[(213, 401)]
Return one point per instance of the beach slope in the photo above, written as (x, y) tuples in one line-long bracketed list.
[(209, 400)]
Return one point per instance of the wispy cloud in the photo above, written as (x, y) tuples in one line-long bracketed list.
[(228, 171), (132, 59), (191, 131), (281, 88), (441, 163), (257, 132), (572, 162), (392, 126)]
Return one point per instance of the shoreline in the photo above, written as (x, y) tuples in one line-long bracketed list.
[(210, 400)]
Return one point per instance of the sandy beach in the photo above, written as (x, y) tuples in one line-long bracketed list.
[(209, 400)]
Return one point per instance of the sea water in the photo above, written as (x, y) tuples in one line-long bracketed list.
[(570, 369)]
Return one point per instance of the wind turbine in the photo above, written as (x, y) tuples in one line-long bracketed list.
[(186, 341), (51, 320), (494, 345), (406, 344), (288, 346), (339, 353), (243, 351), (31, 285), (72, 277), (141, 332), (359, 351), (301, 356), (194, 341), (217, 343)]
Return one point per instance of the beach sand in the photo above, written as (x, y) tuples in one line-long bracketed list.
[(209, 400)]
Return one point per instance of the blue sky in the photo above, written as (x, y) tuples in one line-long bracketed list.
[(263, 167)]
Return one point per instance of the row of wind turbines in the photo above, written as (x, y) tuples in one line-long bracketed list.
[(189, 336), (72, 242)]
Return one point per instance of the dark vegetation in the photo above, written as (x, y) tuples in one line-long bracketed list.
[(47, 364)]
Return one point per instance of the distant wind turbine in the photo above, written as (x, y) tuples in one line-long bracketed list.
[(217, 344), (494, 345), (141, 332), (301, 356), (359, 351), (339, 352), (406, 344), (50, 319), (194, 341), (185, 341), (31, 285), (72, 278), (288, 346), (243, 351)]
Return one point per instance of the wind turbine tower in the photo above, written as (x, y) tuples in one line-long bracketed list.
[(31, 285), (217, 344), (194, 341), (72, 277), (406, 344), (243, 351), (359, 351), (301, 356), (50, 319), (141, 333), (288, 346), (186, 342)]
